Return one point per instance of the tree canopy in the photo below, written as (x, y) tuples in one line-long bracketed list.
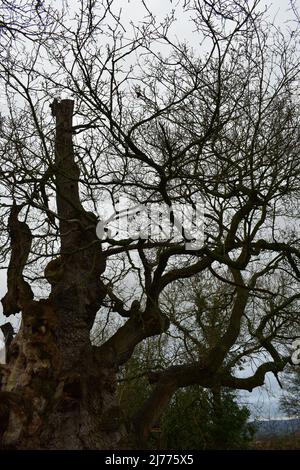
[(96, 108)]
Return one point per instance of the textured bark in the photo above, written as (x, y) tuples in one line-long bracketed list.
[(56, 392)]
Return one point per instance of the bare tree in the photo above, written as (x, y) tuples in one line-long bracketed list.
[(137, 112)]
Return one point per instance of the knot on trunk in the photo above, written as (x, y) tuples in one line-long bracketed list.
[(54, 271)]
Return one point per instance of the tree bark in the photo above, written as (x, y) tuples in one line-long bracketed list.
[(56, 392)]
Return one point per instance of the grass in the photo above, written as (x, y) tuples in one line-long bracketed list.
[(291, 442)]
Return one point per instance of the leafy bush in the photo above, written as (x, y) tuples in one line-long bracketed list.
[(197, 419)]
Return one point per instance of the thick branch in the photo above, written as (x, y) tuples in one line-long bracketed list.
[(67, 172), (18, 290), (256, 380), (75, 223), (152, 410), (169, 380), (119, 348), (231, 334)]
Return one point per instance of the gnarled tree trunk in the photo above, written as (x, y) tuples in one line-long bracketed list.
[(57, 390)]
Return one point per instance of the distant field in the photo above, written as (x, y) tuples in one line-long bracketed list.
[(291, 442)]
